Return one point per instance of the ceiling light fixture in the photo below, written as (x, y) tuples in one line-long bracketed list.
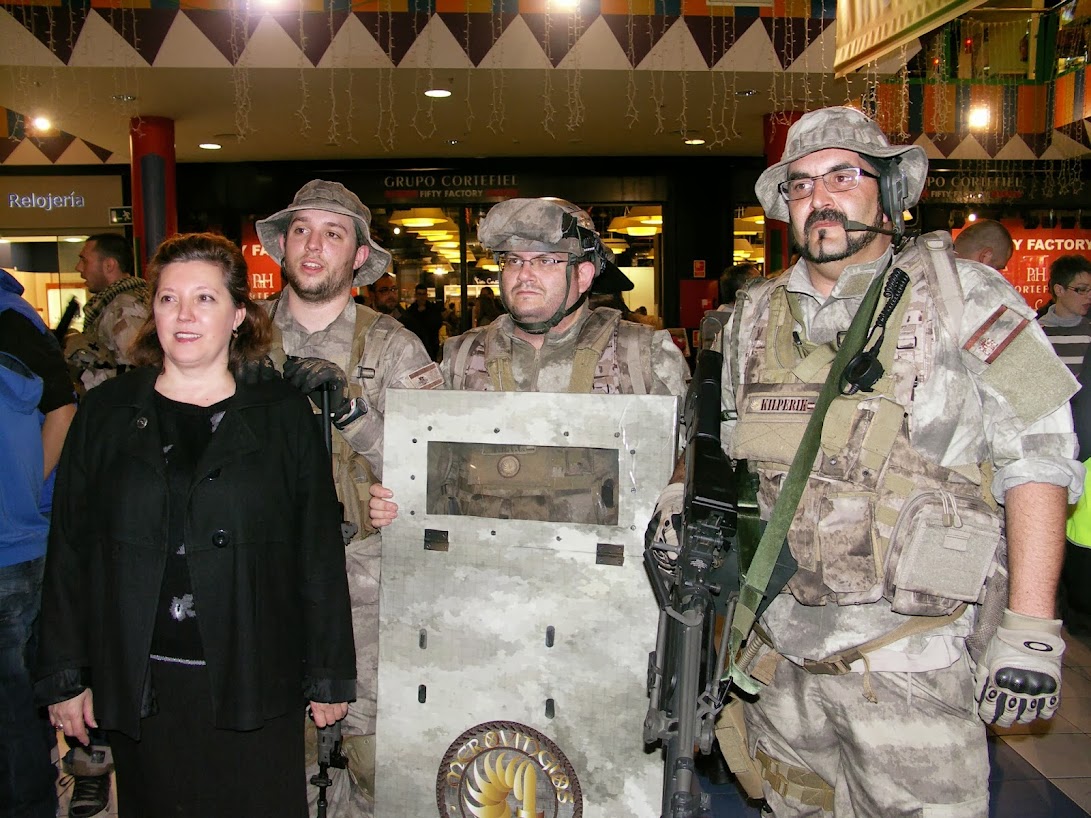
[(978, 118), (746, 92), (41, 123), (123, 98), (210, 146), (437, 93), (696, 140), (418, 217)]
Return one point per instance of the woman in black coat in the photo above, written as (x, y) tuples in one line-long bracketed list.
[(195, 597)]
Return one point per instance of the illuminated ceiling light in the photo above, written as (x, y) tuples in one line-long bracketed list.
[(745, 227), (641, 230), (123, 98), (437, 93), (972, 217), (418, 217), (74, 239), (42, 123), (210, 146), (647, 214), (696, 140), (753, 214), (746, 92), (743, 249), (978, 118), (445, 245), (397, 231)]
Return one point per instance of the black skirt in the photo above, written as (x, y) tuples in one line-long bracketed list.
[(184, 767)]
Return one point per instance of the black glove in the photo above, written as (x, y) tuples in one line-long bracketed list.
[(255, 372), (313, 376)]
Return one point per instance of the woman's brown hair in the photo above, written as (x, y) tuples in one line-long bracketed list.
[(251, 340)]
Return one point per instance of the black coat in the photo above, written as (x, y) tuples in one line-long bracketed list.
[(263, 545)]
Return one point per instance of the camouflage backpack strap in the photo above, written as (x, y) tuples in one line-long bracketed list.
[(938, 263), (276, 346), (595, 336), (498, 359), (635, 349), (369, 337), (471, 348)]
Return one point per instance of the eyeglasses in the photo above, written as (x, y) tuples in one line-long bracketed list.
[(539, 264), (836, 181), (383, 290), (1079, 289)]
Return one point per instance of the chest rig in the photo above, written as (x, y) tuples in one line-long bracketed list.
[(574, 484), (877, 519), (611, 356)]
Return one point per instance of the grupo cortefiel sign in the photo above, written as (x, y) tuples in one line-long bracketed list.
[(1035, 250)]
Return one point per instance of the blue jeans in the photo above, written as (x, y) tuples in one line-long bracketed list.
[(27, 777)]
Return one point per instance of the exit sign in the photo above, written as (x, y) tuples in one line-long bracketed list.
[(121, 215)]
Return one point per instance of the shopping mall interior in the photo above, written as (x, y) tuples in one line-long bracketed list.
[(656, 116)]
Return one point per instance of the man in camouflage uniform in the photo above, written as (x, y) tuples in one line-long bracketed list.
[(550, 340), (879, 662), (324, 341), (113, 316)]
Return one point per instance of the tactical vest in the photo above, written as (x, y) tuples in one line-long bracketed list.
[(609, 352), (877, 519), (578, 484), (352, 474)]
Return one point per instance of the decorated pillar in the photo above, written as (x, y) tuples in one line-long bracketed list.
[(775, 133), (155, 201)]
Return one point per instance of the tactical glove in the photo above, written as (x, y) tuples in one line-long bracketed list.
[(1019, 677), (255, 372), (312, 376), (666, 520)]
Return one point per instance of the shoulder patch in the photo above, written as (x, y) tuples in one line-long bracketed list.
[(996, 334), (427, 377)]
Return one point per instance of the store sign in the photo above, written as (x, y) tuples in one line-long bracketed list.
[(262, 270), (443, 187), (1035, 250), (957, 188), (69, 203)]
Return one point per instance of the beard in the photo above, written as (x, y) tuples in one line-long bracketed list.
[(854, 242), (319, 291)]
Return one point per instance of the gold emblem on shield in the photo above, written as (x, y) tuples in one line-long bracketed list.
[(503, 769)]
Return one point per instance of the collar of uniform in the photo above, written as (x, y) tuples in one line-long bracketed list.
[(852, 283), (284, 319)]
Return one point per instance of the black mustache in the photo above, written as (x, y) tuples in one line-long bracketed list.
[(827, 215)]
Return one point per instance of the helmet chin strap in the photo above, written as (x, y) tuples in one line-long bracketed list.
[(542, 327)]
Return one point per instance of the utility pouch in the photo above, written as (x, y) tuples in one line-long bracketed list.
[(731, 734), (942, 549)]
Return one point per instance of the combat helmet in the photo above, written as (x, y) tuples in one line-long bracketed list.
[(547, 225)]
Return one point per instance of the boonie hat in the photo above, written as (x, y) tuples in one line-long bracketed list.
[(539, 225), (333, 197), (844, 128)]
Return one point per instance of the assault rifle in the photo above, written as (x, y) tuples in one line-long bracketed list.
[(66, 320), (684, 672)]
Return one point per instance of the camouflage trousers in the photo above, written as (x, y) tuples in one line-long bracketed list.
[(353, 790), (919, 751)]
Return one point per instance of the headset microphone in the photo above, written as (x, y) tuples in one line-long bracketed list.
[(860, 227)]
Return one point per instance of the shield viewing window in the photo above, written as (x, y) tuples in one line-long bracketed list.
[(560, 484)]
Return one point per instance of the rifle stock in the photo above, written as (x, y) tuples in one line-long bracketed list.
[(684, 685)]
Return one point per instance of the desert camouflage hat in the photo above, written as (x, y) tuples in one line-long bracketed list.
[(334, 198), (542, 225), (845, 128)]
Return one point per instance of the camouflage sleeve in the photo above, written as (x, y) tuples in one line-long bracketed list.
[(403, 364), (120, 321), (670, 372), (1022, 386)]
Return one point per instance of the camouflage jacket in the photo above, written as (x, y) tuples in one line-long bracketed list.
[(963, 409), (549, 369), (100, 349)]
